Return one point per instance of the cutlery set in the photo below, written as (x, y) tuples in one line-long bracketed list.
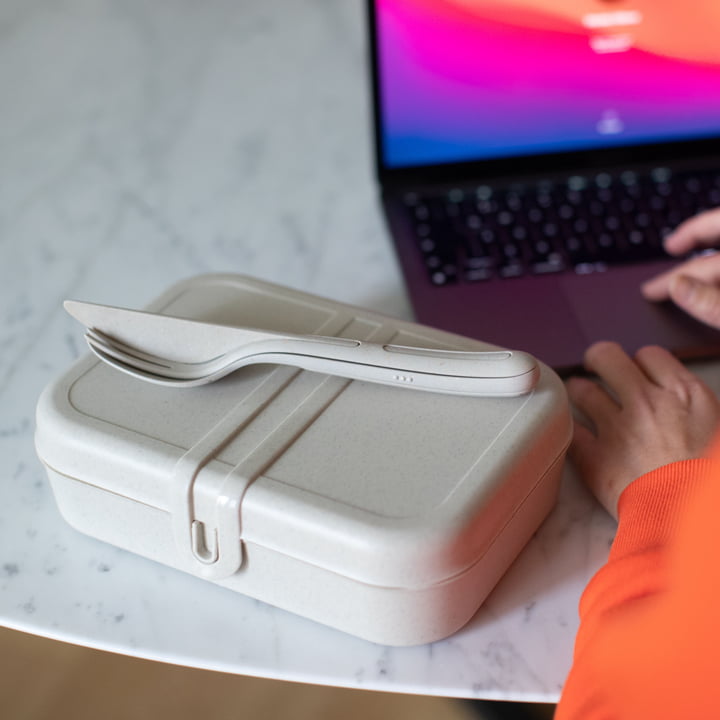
[(179, 352)]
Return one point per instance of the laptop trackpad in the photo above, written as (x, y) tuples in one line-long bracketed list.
[(609, 306)]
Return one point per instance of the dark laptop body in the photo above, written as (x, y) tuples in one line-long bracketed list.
[(590, 147)]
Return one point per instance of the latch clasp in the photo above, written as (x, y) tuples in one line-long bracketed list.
[(212, 551)]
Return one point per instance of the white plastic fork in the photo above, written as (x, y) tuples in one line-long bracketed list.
[(180, 352)]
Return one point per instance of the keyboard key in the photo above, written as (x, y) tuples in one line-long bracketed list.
[(505, 218), (542, 248), (421, 212), (488, 236), (519, 234), (512, 270), (535, 215), (427, 245), (550, 230), (511, 251), (554, 264), (478, 274), (612, 223), (477, 253), (444, 275), (566, 211), (473, 222), (513, 202)]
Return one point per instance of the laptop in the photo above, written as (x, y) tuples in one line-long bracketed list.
[(532, 155)]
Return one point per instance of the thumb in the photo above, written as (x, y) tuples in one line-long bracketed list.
[(697, 298)]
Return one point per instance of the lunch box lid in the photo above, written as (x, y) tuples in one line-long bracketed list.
[(389, 486)]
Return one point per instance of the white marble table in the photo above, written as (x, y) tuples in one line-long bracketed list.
[(144, 142)]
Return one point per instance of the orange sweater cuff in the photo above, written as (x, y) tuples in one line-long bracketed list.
[(649, 508)]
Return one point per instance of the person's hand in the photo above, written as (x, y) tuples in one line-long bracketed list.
[(695, 284), (649, 411)]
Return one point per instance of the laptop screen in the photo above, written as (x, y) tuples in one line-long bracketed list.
[(473, 80)]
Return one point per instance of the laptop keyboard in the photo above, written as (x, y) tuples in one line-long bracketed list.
[(582, 225)]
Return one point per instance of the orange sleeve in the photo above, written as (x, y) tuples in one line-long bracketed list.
[(648, 645)]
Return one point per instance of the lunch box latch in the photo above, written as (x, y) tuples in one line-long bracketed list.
[(212, 550)]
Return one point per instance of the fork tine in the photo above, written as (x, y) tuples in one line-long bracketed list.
[(155, 369), (129, 353), (119, 350), (133, 370), (132, 363), (115, 360)]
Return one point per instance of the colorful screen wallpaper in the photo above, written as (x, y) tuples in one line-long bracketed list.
[(480, 79)]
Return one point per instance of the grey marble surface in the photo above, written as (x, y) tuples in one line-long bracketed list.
[(144, 142)]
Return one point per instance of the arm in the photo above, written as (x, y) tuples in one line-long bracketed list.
[(651, 420)]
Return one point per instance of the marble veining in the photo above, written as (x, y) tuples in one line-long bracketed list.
[(145, 142)]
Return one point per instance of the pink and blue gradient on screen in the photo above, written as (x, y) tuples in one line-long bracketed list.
[(488, 79)]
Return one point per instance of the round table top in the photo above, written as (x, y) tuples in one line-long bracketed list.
[(148, 142)]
